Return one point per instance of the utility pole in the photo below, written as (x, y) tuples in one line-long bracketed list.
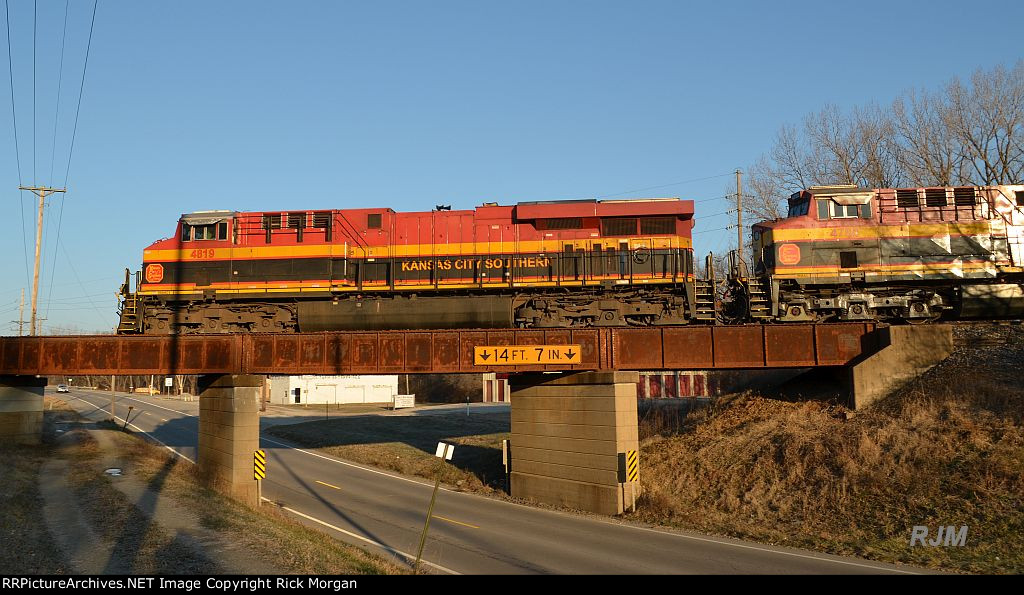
[(21, 314), (739, 224), (42, 192)]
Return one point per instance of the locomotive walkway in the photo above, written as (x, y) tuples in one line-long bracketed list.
[(574, 426)]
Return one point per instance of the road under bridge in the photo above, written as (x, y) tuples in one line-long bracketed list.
[(574, 425)]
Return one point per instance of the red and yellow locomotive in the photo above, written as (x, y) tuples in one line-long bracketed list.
[(551, 264), (906, 254), (842, 253)]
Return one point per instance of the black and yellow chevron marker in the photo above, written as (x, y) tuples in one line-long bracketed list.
[(259, 464), (632, 466)]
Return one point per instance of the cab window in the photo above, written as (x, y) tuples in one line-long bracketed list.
[(799, 208), (212, 231), (830, 209)]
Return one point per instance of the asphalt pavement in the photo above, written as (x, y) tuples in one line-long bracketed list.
[(469, 533)]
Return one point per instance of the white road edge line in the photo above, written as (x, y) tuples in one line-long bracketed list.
[(679, 535), (408, 557), (347, 464), (152, 437), (157, 406), (625, 526)]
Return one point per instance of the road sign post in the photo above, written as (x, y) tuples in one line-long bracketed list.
[(126, 418), (443, 453), (259, 470), (629, 473)]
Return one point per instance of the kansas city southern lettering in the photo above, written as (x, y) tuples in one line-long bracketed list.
[(468, 264)]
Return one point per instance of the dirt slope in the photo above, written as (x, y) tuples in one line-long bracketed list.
[(948, 449)]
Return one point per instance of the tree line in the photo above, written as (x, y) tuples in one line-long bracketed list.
[(964, 133)]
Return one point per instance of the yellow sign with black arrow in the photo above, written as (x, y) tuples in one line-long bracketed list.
[(259, 465), (524, 355)]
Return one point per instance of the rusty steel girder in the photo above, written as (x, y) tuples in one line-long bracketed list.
[(442, 351)]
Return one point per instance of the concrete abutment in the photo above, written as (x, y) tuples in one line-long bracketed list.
[(568, 431), (21, 409), (904, 353)]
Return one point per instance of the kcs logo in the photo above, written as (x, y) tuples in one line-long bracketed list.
[(154, 273)]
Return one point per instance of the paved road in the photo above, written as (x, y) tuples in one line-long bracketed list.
[(469, 533)]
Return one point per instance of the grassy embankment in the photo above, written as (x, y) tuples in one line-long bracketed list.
[(946, 450), (265, 534)]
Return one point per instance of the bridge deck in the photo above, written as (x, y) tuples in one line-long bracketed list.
[(442, 351)]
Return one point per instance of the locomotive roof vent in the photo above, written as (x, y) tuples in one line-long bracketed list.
[(621, 200), (207, 217), (557, 202), (844, 194)]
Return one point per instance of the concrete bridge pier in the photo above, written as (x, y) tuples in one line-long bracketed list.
[(568, 431), (21, 409), (229, 433)]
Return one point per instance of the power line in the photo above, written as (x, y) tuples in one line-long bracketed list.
[(53, 153), (726, 212), (71, 149), (10, 66), (60, 80), (716, 229), (80, 284), (81, 89), (17, 148), (666, 185), (105, 280), (35, 14), (76, 298), (712, 198)]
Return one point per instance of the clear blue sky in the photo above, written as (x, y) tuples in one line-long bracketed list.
[(253, 105)]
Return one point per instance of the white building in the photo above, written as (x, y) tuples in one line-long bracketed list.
[(310, 389)]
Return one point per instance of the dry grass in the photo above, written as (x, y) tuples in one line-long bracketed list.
[(406, 444), (266, 532), (27, 545), (144, 546), (947, 450)]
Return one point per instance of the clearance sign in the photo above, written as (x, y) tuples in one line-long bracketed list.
[(520, 355)]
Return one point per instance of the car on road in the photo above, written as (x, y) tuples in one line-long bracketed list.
[(63, 388)]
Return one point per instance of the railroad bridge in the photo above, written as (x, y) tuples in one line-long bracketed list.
[(573, 424)]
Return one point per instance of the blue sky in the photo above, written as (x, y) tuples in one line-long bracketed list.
[(253, 105)]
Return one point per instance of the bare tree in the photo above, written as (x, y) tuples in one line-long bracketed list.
[(766, 196), (987, 119), (879, 155), (930, 154), (963, 134)]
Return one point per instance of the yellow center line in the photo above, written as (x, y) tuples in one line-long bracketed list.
[(327, 484), (437, 516)]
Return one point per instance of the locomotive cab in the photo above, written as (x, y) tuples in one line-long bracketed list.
[(206, 226), (795, 252)]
